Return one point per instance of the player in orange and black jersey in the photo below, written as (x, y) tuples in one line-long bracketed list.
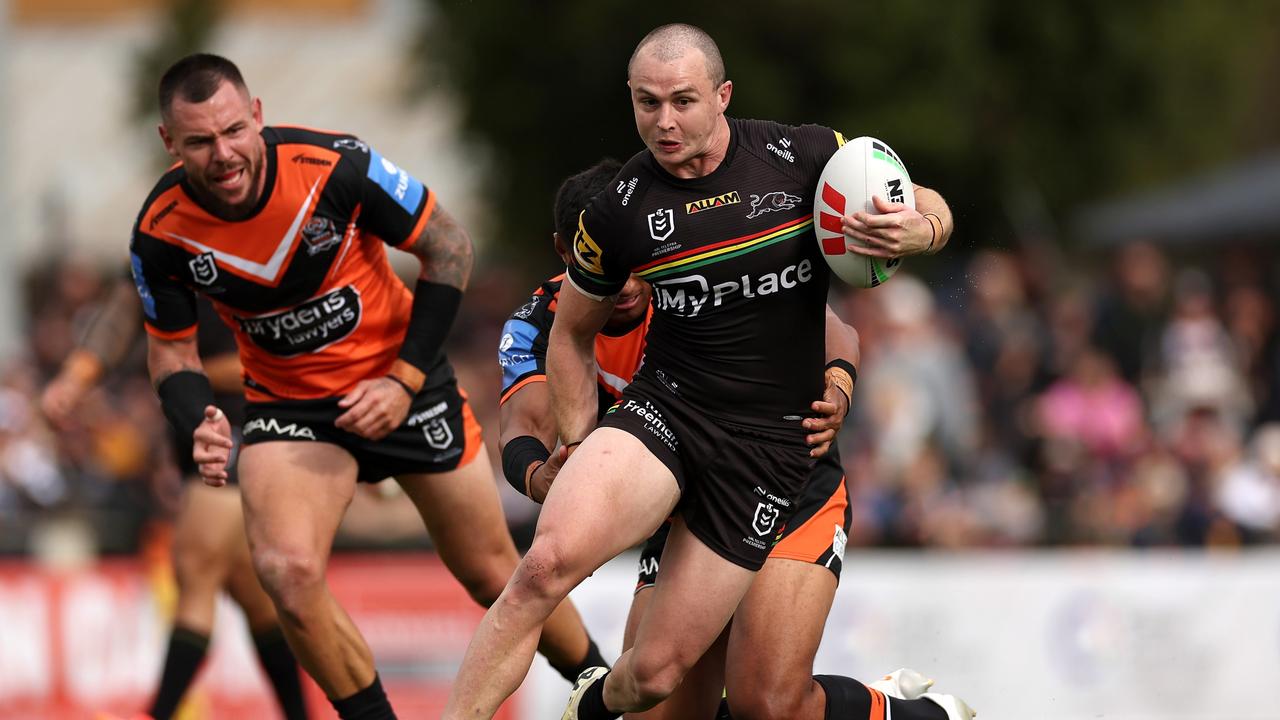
[(210, 553), (717, 215), (284, 230), (804, 564)]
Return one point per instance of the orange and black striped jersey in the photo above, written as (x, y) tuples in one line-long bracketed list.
[(522, 351), (304, 281)]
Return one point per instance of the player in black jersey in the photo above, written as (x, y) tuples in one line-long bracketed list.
[(210, 552), (712, 425)]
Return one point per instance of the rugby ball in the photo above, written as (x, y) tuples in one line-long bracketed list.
[(861, 168)]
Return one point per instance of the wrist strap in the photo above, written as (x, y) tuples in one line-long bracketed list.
[(936, 230), (183, 398), (83, 365), (411, 392), (844, 375), (517, 455), (435, 305)]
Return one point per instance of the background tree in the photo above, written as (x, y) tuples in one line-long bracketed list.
[(1062, 101)]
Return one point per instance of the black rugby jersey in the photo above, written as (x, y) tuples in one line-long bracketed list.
[(739, 283)]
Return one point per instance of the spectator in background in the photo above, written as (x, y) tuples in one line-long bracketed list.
[(1248, 494), (1131, 315), (1201, 369)]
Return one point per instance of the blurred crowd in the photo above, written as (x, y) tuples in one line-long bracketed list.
[(1035, 401), (1015, 400)]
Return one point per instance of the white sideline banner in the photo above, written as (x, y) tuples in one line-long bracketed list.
[(1053, 635)]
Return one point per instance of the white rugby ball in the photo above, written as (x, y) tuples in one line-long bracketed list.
[(861, 168)]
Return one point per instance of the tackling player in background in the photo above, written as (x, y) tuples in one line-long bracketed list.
[(284, 229), (210, 552), (713, 419)]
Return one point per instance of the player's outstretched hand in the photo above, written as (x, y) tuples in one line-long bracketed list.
[(61, 397), (374, 408), (212, 450), (541, 479), (896, 231), (831, 410)]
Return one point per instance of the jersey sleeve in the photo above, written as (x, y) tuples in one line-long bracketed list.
[(520, 363), (597, 266), (394, 205), (522, 351), (815, 145), (168, 306), (214, 337)]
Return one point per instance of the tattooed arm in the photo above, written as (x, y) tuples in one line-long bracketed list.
[(379, 405)]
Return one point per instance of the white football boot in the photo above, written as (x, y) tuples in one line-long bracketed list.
[(908, 684), (903, 684), (584, 681)]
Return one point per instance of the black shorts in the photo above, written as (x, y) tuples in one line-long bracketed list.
[(816, 533), (739, 485), (440, 433)]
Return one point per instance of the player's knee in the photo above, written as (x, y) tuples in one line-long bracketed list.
[(484, 586), (290, 577), (655, 680), (197, 563), (543, 574)]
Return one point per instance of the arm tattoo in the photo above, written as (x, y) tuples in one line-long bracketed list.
[(444, 248)]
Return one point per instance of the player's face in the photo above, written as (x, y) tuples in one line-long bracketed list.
[(632, 303), (219, 142), (679, 113)]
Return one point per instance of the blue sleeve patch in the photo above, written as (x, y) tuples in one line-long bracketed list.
[(400, 185), (515, 351), (144, 290)]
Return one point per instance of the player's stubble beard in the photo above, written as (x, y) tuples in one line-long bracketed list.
[(232, 211)]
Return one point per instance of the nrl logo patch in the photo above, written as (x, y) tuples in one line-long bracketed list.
[(766, 516), (661, 224), (203, 269)]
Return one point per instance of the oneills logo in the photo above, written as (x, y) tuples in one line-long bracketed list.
[(697, 206)]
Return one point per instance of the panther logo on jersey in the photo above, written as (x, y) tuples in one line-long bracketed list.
[(772, 202), (203, 269)]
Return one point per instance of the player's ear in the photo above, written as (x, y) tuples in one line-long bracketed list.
[(257, 112), (168, 141), (724, 93), (561, 249)]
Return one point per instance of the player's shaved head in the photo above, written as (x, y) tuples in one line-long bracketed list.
[(195, 78), (670, 42)]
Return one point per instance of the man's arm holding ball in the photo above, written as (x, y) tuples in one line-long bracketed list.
[(896, 230)]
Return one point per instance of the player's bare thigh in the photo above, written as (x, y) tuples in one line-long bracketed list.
[(611, 494), (294, 495)]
